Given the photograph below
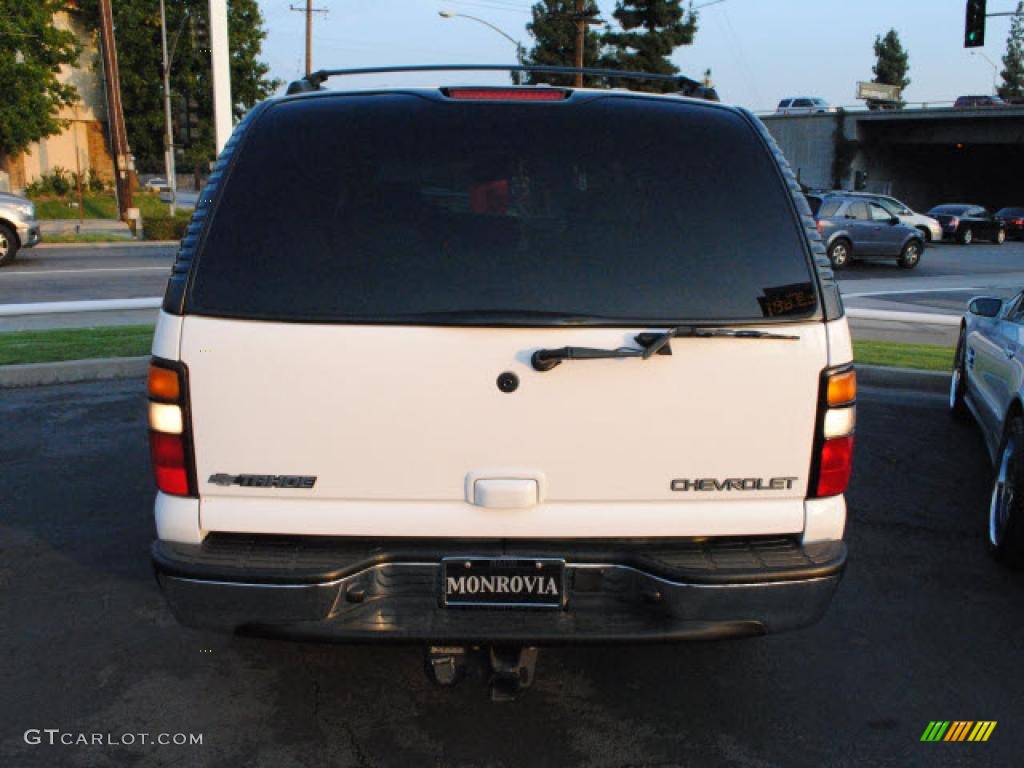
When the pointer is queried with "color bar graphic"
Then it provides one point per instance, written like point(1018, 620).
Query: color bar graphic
point(958, 730)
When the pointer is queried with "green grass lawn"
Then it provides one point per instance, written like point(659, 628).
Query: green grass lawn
point(87, 237)
point(99, 205)
point(928, 357)
point(74, 344)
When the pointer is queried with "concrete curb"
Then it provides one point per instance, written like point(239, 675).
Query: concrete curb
point(919, 318)
point(65, 307)
point(903, 378)
point(72, 371)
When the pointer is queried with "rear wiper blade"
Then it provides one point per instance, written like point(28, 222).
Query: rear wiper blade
point(650, 344)
point(654, 343)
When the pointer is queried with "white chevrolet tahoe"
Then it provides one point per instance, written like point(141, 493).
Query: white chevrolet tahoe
point(473, 366)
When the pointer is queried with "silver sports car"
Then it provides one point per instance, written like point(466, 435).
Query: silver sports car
point(988, 382)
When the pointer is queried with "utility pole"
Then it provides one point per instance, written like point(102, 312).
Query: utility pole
point(309, 10)
point(581, 32)
point(220, 57)
point(582, 18)
point(169, 168)
point(118, 136)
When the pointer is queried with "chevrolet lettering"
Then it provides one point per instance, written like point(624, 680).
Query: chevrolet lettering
point(735, 484)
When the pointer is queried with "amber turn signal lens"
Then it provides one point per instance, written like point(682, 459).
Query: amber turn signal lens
point(842, 388)
point(163, 384)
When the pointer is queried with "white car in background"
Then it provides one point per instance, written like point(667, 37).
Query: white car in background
point(988, 383)
point(804, 105)
point(926, 225)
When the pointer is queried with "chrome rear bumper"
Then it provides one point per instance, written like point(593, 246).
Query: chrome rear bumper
point(399, 600)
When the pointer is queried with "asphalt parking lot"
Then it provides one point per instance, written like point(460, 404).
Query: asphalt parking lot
point(924, 627)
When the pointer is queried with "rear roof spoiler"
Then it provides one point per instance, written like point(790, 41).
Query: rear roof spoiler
point(686, 86)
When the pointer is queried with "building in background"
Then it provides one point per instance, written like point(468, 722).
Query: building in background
point(87, 132)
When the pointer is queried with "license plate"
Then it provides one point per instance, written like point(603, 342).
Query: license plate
point(503, 581)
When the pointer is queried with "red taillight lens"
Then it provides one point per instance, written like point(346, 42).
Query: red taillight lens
point(169, 428)
point(508, 94)
point(821, 226)
point(169, 468)
point(1019, 222)
point(837, 419)
point(836, 464)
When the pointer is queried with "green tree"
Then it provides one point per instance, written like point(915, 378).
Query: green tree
point(1013, 61)
point(137, 25)
point(32, 51)
point(651, 31)
point(554, 28)
point(892, 62)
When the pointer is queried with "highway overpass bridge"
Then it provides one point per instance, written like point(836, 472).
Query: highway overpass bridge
point(922, 156)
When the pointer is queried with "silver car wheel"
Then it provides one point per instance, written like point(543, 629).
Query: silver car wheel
point(839, 255)
point(911, 254)
point(1001, 236)
point(968, 236)
point(1003, 493)
point(5, 245)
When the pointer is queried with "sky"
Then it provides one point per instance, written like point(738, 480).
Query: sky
point(759, 51)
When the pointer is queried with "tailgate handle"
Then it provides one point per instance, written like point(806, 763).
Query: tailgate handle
point(505, 492)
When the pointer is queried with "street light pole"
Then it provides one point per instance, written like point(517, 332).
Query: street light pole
point(220, 58)
point(516, 43)
point(169, 168)
point(995, 70)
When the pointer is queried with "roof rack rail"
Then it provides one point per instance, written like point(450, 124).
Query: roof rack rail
point(687, 86)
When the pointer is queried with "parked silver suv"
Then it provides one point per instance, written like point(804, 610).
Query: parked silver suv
point(18, 226)
point(858, 228)
point(928, 226)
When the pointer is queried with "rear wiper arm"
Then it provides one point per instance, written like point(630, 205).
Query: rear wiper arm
point(650, 344)
point(546, 359)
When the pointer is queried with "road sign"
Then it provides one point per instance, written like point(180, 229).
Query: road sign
point(878, 92)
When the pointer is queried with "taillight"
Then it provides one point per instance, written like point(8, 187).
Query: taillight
point(954, 222)
point(170, 439)
point(821, 226)
point(1019, 222)
point(836, 463)
point(837, 420)
point(508, 94)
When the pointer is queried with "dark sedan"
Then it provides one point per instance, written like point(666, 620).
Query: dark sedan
point(967, 223)
point(1013, 220)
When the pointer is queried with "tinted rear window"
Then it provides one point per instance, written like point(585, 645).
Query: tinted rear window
point(949, 210)
point(1010, 212)
point(404, 208)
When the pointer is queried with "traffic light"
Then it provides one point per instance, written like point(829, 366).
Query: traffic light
point(974, 27)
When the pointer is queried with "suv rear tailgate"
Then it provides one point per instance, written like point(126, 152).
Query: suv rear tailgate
point(397, 423)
